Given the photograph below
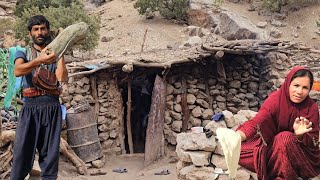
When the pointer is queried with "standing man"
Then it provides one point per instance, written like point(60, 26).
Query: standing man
point(39, 124)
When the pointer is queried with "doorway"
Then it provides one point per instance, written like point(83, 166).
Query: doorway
point(141, 93)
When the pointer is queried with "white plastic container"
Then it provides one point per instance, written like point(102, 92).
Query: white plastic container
point(198, 129)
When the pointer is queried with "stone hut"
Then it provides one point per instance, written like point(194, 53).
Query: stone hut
point(143, 100)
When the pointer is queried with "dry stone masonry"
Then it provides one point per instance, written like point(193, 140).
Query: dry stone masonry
point(241, 83)
point(109, 117)
point(200, 157)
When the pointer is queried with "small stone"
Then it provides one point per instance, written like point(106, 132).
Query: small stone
point(97, 163)
point(106, 39)
point(262, 24)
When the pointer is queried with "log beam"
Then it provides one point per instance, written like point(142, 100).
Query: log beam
point(66, 150)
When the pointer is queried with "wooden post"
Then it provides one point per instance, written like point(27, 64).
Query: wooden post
point(120, 112)
point(129, 132)
point(184, 105)
point(144, 39)
point(206, 72)
point(93, 83)
point(220, 67)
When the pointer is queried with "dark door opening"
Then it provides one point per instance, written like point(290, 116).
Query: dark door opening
point(141, 93)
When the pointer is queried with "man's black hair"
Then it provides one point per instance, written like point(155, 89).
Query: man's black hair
point(38, 20)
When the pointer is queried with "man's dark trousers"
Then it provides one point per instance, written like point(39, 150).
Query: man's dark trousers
point(39, 128)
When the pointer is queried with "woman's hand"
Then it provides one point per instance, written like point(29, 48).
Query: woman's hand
point(301, 125)
point(242, 135)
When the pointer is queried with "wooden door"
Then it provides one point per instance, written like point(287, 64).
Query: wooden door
point(154, 135)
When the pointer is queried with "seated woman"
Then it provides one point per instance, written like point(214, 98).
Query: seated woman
point(282, 140)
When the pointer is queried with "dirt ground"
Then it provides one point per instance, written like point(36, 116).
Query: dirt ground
point(134, 165)
point(126, 27)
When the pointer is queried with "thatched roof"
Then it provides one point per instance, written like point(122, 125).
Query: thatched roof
point(165, 58)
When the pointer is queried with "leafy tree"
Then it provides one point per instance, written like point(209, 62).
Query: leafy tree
point(60, 13)
point(169, 9)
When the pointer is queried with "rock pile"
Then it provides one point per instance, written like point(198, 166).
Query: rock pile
point(201, 157)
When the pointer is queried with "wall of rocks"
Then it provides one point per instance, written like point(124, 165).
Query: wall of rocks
point(236, 83)
point(110, 114)
point(200, 157)
point(107, 105)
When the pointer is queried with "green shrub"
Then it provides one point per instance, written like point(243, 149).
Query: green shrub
point(169, 9)
point(60, 17)
point(6, 24)
point(218, 3)
point(275, 5)
point(21, 5)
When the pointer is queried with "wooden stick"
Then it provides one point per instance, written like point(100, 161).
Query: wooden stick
point(129, 132)
point(4, 175)
point(220, 69)
point(7, 161)
point(144, 39)
point(93, 82)
point(121, 113)
point(6, 153)
point(6, 158)
point(206, 72)
point(89, 72)
point(66, 150)
point(184, 105)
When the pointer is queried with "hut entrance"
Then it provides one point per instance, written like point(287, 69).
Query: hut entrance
point(139, 101)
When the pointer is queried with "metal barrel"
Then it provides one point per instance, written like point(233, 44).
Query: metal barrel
point(82, 135)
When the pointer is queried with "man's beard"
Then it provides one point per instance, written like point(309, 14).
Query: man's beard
point(45, 40)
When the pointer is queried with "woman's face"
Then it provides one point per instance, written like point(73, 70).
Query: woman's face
point(299, 89)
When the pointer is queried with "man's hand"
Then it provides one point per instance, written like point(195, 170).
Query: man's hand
point(301, 125)
point(47, 57)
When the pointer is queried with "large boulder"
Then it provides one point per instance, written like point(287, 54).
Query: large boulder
point(233, 27)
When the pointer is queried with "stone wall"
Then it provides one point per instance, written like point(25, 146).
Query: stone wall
point(110, 114)
point(240, 83)
point(76, 91)
point(200, 157)
point(109, 104)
